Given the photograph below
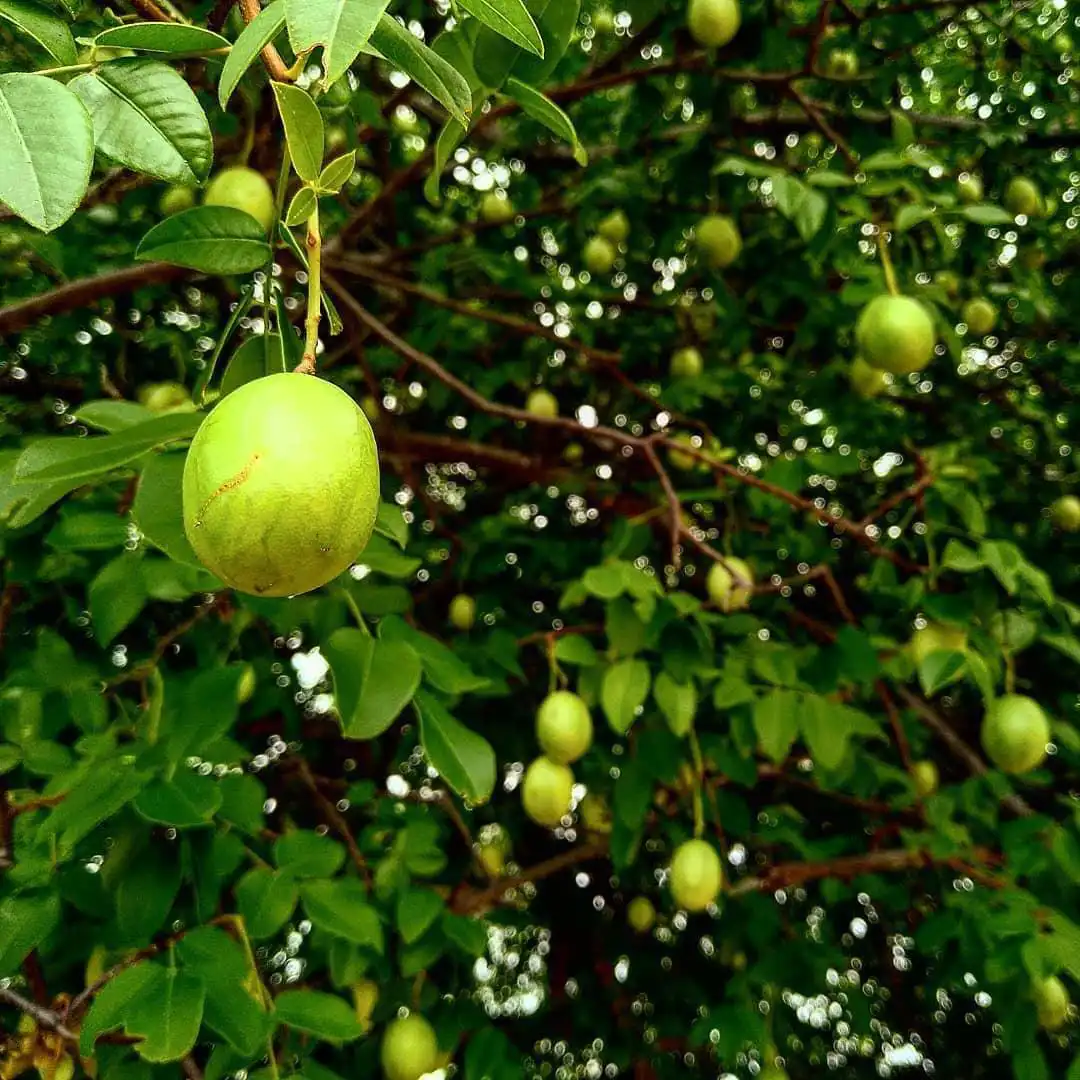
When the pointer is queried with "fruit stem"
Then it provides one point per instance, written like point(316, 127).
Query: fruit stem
point(699, 772)
point(311, 322)
point(268, 271)
point(886, 263)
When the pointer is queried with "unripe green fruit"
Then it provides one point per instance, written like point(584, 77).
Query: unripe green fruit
point(599, 255)
point(718, 240)
point(1022, 197)
point(336, 99)
point(337, 138)
point(245, 688)
point(492, 849)
point(165, 397)
point(865, 380)
point(409, 1048)
point(365, 995)
point(773, 1072)
point(948, 282)
point(281, 485)
point(243, 189)
point(615, 227)
point(546, 791)
point(842, 64)
point(723, 589)
point(595, 814)
point(696, 875)
point(682, 460)
point(462, 612)
point(1015, 732)
point(980, 316)
point(686, 363)
point(641, 915)
point(936, 637)
point(542, 403)
point(969, 188)
point(564, 728)
point(176, 198)
point(573, 453)
point(1062, 43)
point(603, 21)
point(895, 334)
point(924, 775)
point(713, 23)
point(404, 120)
point(1065, 513)
point(496, 209)
point(1051, 1003)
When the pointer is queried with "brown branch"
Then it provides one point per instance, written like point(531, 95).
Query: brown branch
point(335, 818)
point(46, 1018)
point(912, 491)
point(150, 10)
point(812, 110)
point(271, 58)
point(897, 723)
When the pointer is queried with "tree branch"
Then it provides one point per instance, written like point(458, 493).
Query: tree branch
point(271, 58)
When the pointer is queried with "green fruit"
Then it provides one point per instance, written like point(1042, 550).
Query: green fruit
point(546, 791)
point(1051, 1003)
point(409, 1048)
point(936, 637)
point(948, 282)
point(492, 849)
point(773, 1072)
point(641, 915)
point(245, 688)
point(365, 995)
point(337, 138)
point(895, 334)
point(724, 590)
point(404, 120)
point(496, 208)
point(696, 875)
point(685, 461)
point(1065, 513)
point(1015, 732)
point(573, 453)
point(243, 189)
point(336, 98)
point(165, 397)
point(176, 198)
point(595, 814)
point(924, 775)
point(370, 407)
point(599, 255)
point(865, 380)
point(1022, 197)
point(462, 612)
point(686, 363)
point(615, 227)
point(281, 485)
point(564, 728)
point(1062, 43)
point(713, 23)
point(603, 21)
point(980, 316)
point(842, 64)
point(542, 403)
point(718, 240)
point(969, 188)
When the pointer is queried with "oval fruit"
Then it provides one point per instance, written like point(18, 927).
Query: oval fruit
point(686, 363)
point(969, 188)
point(492, 849)
point(615, 227)
point(980, 316)
point(1065, 513)
point(1051, 1003)
point(546, 791)
point(641, 915)
point(564, 727)
point(696, 875)
point(724, 590)
point(713, 23)
point(243, 189)
point(895, 334)
point(542, 403)
point(176, 198)
point(164, 397)
point(936, 637)
point(717, 238)
point(595, 814)
point(867, 381)
point(599, 255)
point(409, 1048)
point(842, 64)
point(462, 612)
point(1015, 732)
point(496, 208)
point(924, 775)
point(245, 688)
point(281, 485)
point(1022, 197)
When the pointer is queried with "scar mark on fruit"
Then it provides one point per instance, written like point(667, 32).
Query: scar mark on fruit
point(229, 485)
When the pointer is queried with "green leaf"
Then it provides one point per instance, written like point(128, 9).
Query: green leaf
point(448, 140)
point(776, 721)
point(1003, 560)
point(373, 680)
point(48, 138)
point(510, 19)
point(623, 691)
point(25, 922)
point(246, 48)
point(391, 524)
point(800, 204)
point(305, 854)
point(341, 27)
point(986, 214)
point(48, 30)
point(115, 597)
point(496, 59)
point(490, 1055)
point(250, 361)
point(938, 669)
point(103, 791)
point(266, 899)
point(157, 509)
point(87, 530)
point(145, 896)
point(303, 126)
point(167, 1014)
point(465, 760)
point(112, 1003)
point(112, 416)
point(342, 908)
point(302, 205)
point(576, 649)
point(213, 239)
point(148, 119)
point(546, 112)
point(442, 667)
point(160, 37)
point(336, 173)
point(186, 801)
point(911, 215)
point(958, 556)
point(828, 726)
point(323, 1015)
point(677, 701)
point(213, 954)
point(417, 910)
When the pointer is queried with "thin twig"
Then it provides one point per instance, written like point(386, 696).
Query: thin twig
point(46, 1018)
point(335, 818)
point(276, 67)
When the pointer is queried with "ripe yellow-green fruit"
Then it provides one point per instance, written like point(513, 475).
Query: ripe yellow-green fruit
point(599, 255)
point(462, 612)
point(724, 590)
point(641, 915)
point(615, 227)
point(980, 316)
point(163, 397)
point(895, 334)
point(496, 208)
point(1015, 732)
point(176, 198)
point(683, 460)
point(718, 240)
point(492, 849)
point(243, 189)
point(842, 64)
point(281, 485)
point(686, 363)
point(1022, 197)
point(1051, 1003)
point(603, 21)
point(409, 1048)
point(595, 814)
point(867, 381)
point(713, 23)
point(936, 637)
point(924, 775)
point(564, 728)
point(365, 995)
point(546, 791)
point(1065, 513)
point(969, 188)
point(542, 403)
point(245, 688)
point(696, 875)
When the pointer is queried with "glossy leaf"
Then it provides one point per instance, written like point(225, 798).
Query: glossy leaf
point(464, 759)
point(166, 38)
point(323, 1015)
point(623, 692)
point(511, 19)
point(33, 21)
point(245, 50)
point(340, 27)
point(546, 112)
point(214, 239)
point(303, 129)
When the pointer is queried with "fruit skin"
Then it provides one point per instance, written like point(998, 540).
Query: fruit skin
point(599, 255)
point(1022, 197)
point(1014, 734)
point(713, 23)
point(564, 728)
point(1065, 513)
point(492, 849)
point(641, 915)
point(721, 585)
point(696, 875)
point(462, 612)
point(969, 188)
point(1051, 1003)
point(980, 316)
point(176, 198)
point(496, 209)
point(336, 98)
point(842, 64)
point(936, 637)
point(281, 485)
point(365, 994)
point(867, 381)
point(895, 334)
point(924, 775)
point(717, 238)
point(686, 363)
point(595, 814)
point(546, 791)
point(409, 1048)
point(615, 227)
point(542, 403)
point(243, 189)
